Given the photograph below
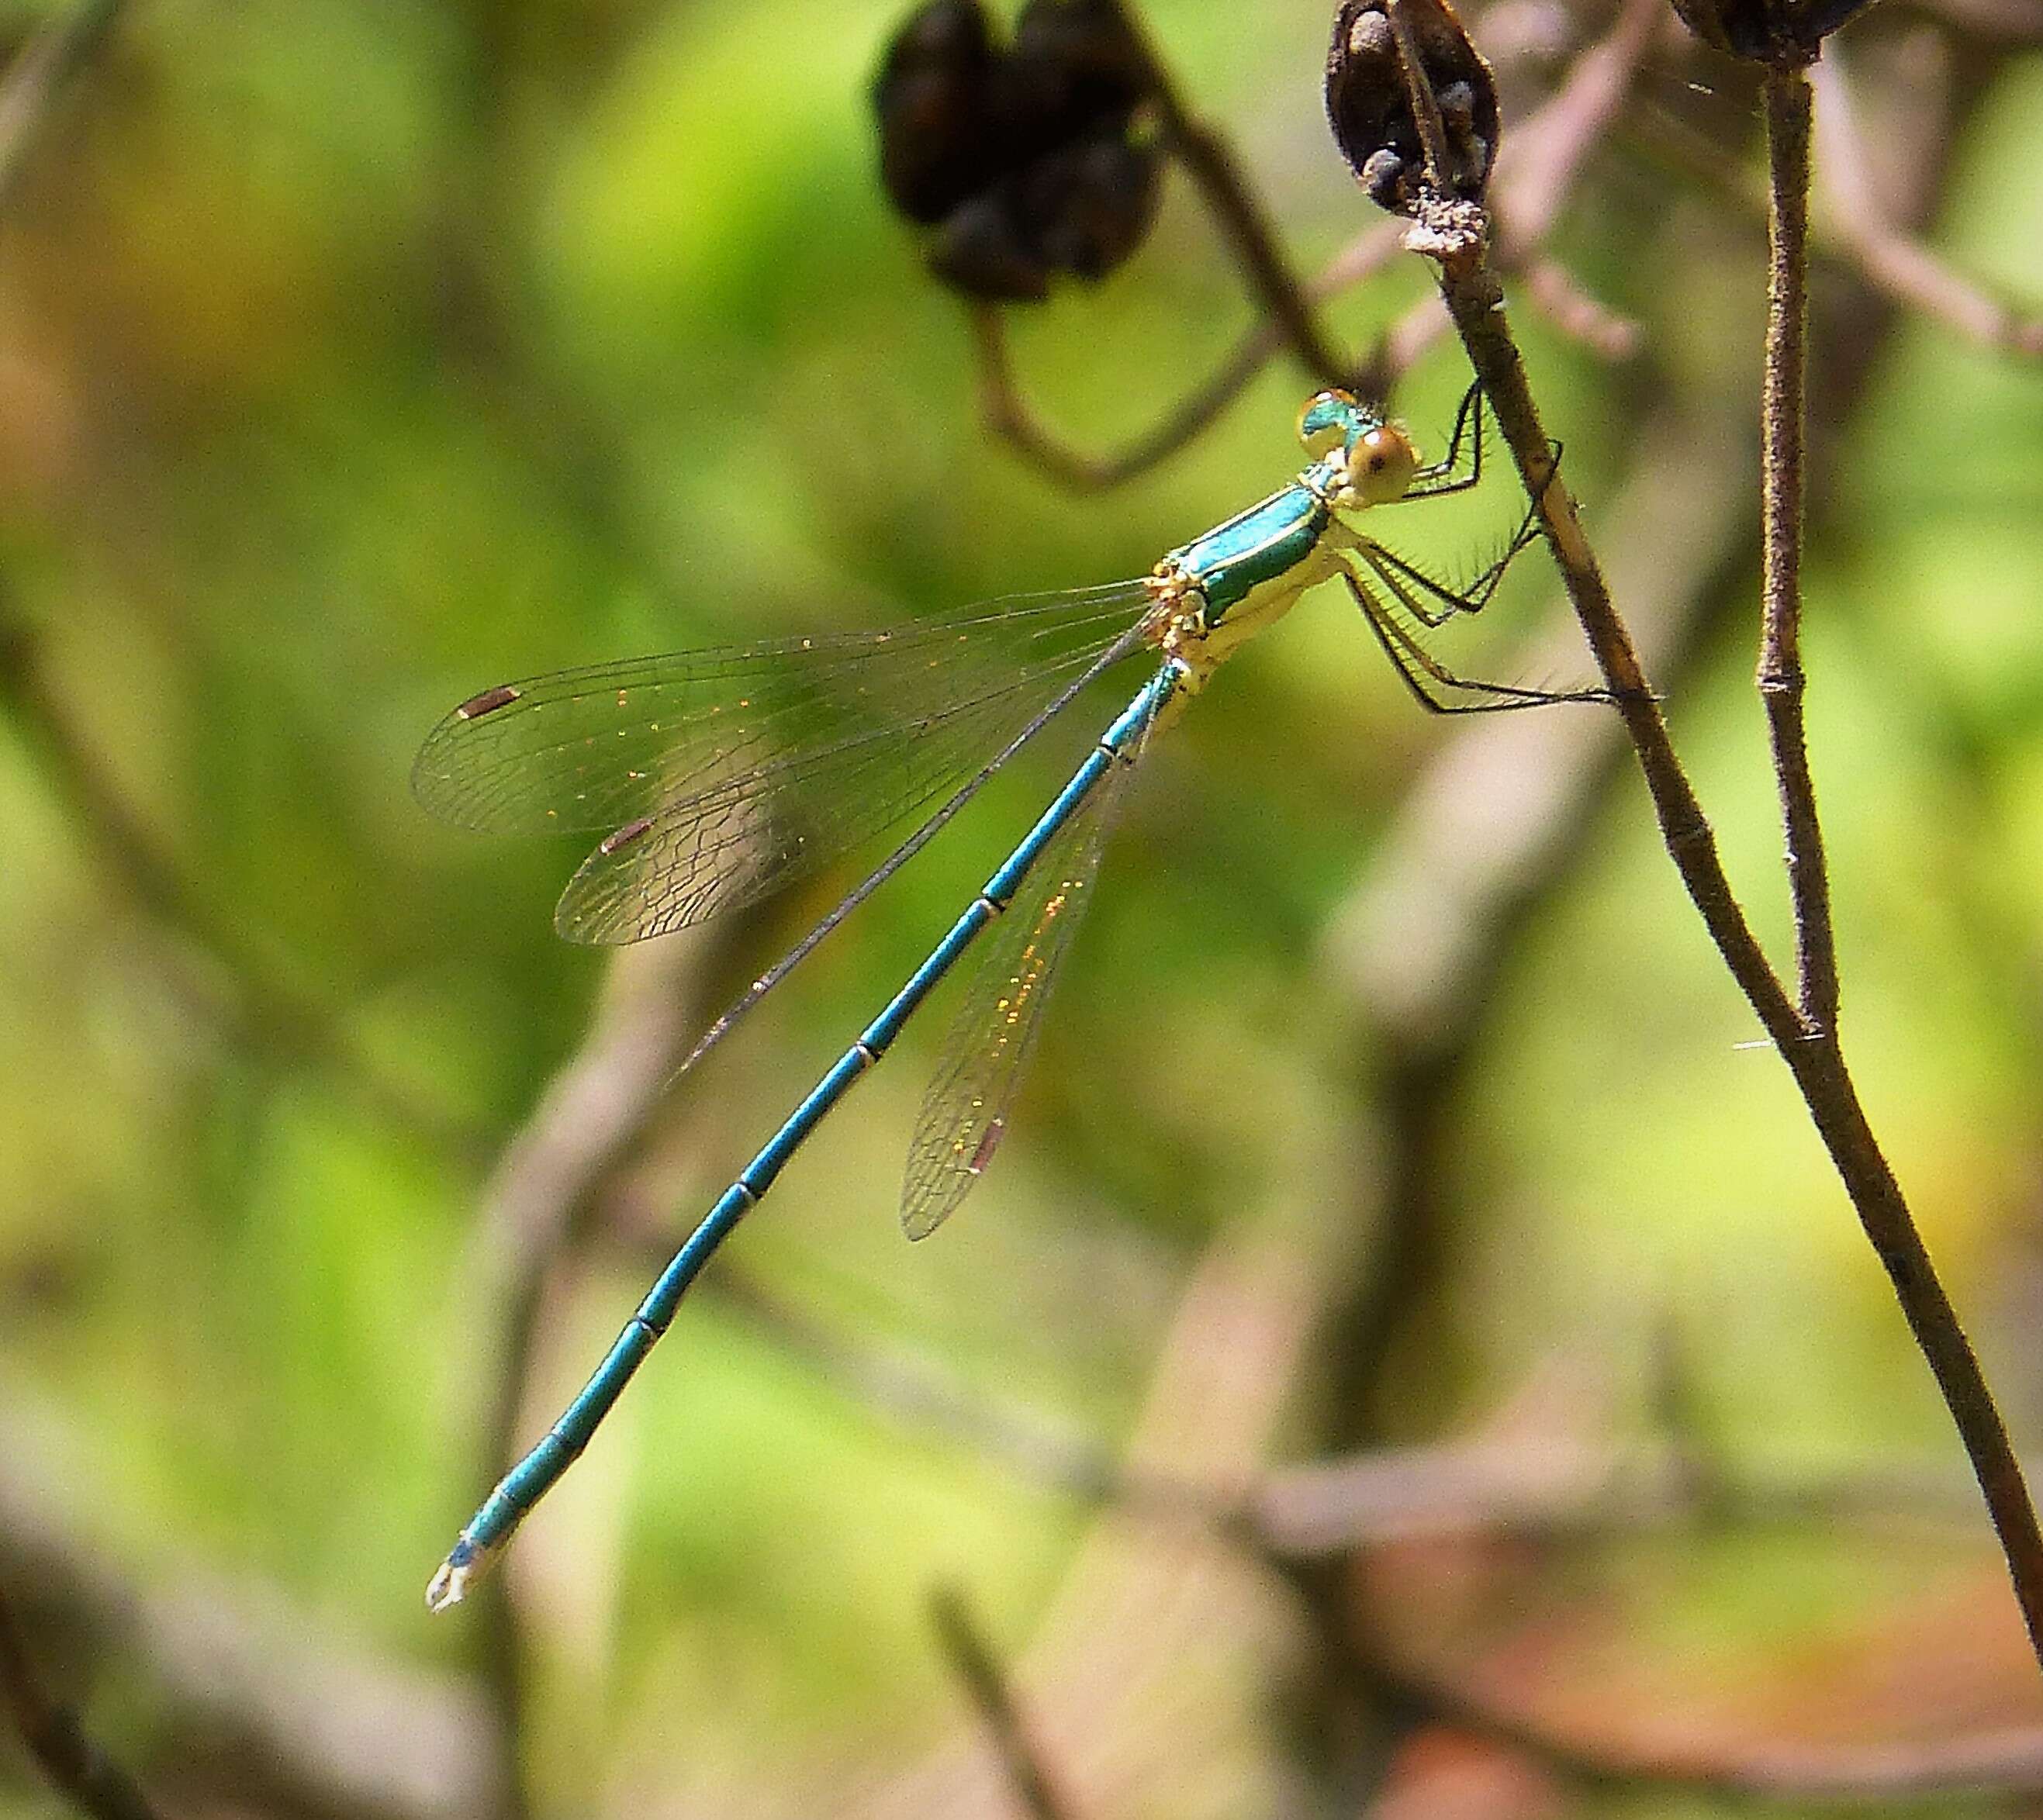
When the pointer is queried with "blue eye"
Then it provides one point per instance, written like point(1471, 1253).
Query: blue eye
point(1327, 422)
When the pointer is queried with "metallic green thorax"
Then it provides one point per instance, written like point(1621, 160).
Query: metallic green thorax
point(1274, 538)
point(1256, 546)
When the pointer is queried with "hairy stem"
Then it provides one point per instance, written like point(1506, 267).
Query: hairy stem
point(1782, 424)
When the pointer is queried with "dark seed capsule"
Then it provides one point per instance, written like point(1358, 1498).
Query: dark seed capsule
point(1088, 207)
point(1029, 160)
point(982, 250)
point(488, 701)
point(1766, 31)
point(1369, 104)
point(935, 98)
point(1082, 70)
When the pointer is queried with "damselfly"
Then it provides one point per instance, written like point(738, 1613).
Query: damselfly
point(716, 777)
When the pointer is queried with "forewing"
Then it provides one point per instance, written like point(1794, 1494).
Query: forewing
point(722, 775)
point(732, 842)
point(964, 1113)
point(595, 748)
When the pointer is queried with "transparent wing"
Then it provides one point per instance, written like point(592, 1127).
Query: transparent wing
point(964, 1113)
point(732, 843)
point(721, 774)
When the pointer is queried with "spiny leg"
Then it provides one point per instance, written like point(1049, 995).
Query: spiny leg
point(1441, 478)
point(1417, 667)
point(1477, 596)
point(1410, 582)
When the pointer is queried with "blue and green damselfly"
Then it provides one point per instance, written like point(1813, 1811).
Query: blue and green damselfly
point(719, 775)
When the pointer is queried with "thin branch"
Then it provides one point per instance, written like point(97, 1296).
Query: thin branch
point(1008, 416)
point(77, 1768)
point(1209, 163)
point(1896, 261)
point(1454, 235)
point(59, 49)
point(264, 1006)
point(537, 1209)
point(1782, 430)
point(985, 1682)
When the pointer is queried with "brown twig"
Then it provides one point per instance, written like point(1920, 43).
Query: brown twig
point(59, 48)
point(244, 988)
point(985, 1683)
point(1455, 235)
point(1782, 430)
point(1897, 262)
point(1008, 416)
point(77, 1768)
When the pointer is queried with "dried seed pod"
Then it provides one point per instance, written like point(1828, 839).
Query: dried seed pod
point(1089, 206)
point(1370, 107)
point(981, 249)
point(1767, 31)
point(1028, 159)
point(1088, 71)
point(939, 118)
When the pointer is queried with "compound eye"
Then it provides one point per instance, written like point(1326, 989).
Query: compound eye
point(1381, 465)
point(1324, 423)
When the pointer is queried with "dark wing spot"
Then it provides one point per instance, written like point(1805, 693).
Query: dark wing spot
point(623, 837)
point(488, 701)
point(988, 1144)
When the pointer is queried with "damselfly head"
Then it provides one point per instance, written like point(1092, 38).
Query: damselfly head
point(1380, 463)
point(1375, 460)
